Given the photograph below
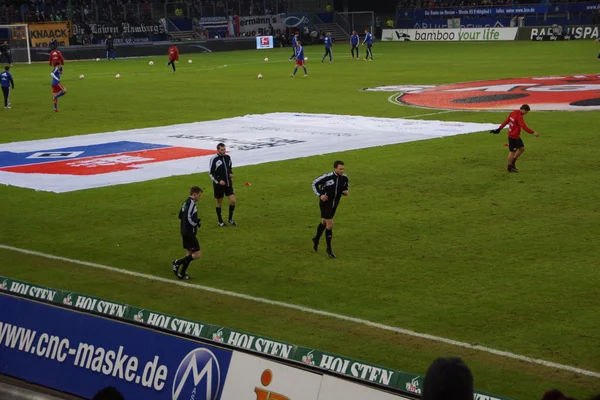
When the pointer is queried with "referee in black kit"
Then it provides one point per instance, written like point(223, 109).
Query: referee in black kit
point(330, 188)
point(221, 173)
point(188, 214)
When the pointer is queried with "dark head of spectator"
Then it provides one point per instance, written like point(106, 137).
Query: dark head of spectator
point(108, 393)
point(448, 379)
point(555, 394)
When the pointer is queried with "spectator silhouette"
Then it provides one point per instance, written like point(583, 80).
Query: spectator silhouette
point(448, 379)
point(108, 393)
point(555, 394)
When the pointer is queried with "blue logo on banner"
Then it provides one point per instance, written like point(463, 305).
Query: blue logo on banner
point(198, 376)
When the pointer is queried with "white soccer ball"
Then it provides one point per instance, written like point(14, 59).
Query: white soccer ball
point(260, 76)
point(190, 61)
point(266, 59)
point(151, 63)
point(117, 76)
point(305, 58)
point(97, 59)
point(81, 76)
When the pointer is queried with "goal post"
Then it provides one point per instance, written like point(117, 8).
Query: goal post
point(360, 20)
point(17, 36)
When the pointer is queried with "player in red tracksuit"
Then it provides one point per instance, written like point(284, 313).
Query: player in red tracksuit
point(516, 147)
point(56, 57)
point(173, 56)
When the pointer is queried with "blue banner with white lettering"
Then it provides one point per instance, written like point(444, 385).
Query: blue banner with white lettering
point(586, 7)
point(480, 12)
point(500, 11)
point(80, 354)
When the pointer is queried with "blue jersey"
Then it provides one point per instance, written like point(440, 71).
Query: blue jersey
point(368, 38)
point(294, 41)
point(6, 79)
point(328, 42)
point(354, 40)
point(300, 53)
point(56, 76)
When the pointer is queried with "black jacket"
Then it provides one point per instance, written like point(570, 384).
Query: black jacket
point(220, 168)
point(188, 214)
point(332, 185)
point(110, 44)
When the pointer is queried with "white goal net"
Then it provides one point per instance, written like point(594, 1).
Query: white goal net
point(15, 44)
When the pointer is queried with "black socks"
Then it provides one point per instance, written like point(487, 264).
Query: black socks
point(328, 236)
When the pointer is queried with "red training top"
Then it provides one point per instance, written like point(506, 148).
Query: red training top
point(173, 53)
point(56, 56)
point(515, 123)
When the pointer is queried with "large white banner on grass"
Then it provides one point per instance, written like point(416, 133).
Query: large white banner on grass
point(112, 158)
point(450, 35)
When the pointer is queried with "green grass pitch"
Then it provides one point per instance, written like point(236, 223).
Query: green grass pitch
point(435, 236)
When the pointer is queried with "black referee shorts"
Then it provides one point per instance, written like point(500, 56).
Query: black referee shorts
point(515, 144)
point(327, 211)
point(190, 243)
point(220, 191)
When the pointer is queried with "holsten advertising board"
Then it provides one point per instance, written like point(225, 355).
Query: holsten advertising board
point(450, 35)
point(79, 353)
point(250, 376)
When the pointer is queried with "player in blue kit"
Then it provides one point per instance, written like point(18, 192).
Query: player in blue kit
point(299, 60)
point(354, 39)
point(294, 45)
point(7, 82)
point(58, 90)
point(328, 47)
point(369, 41)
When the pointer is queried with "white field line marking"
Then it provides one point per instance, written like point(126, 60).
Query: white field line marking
point(426, 115)
point(407, 332)
point(138, 73)
point(392, 99)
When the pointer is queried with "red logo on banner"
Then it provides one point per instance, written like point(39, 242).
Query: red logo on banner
point(566, 93)
point(263, 394)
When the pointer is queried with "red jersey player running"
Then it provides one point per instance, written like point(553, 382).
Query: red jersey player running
point(56, 57)
point(516, 147)
point(173, 56)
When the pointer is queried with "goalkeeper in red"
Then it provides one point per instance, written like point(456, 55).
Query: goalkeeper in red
point(516, 147)
point(173, 56)
point(56, 57)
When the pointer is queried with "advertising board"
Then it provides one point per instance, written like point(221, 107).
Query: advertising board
point(80, 353)
point(450, 35)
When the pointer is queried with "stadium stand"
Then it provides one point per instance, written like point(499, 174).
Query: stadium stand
point(102, 11)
